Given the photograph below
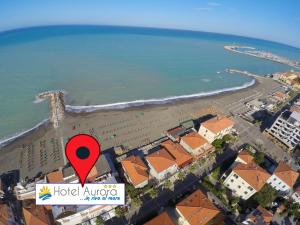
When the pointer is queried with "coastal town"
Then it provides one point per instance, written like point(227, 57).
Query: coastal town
point(225, 159)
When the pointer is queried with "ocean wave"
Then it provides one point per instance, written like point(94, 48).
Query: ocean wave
point(158, 101)
point(6, 140)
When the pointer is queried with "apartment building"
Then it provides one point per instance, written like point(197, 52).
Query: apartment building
point(245, 180)
point(197, 209)
point(215, 128)
point(286, 128)
point(136, 171)
point(196, 145)
point(162, 164)
point(283, 178)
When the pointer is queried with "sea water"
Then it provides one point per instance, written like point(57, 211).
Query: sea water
point(101, 65)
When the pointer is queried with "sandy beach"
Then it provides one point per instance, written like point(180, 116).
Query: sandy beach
point(43, 149)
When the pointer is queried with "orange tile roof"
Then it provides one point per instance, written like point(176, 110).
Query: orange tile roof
point(260, 215)
point(253, 174)
point(161, 160)
point(36, 215)
point(161, 219)
point(4, 214)
point(197, 209)
point(279, 94)
point(135, 169)
point(245, 156)
point(286, 174)
point(55, 177)
point(218, 123)
point(92, 174)
point(194, 140)
point(178, 152)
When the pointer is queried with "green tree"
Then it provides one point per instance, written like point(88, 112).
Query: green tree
point(201, 162)
point(99, 220)
point(216, 173)
point(192, 168)
point(132, 191)
point(153, 193)
point(259, 157)
point(265, 196)
point(227, 138)
point(167, 184)
point(120, 211)
point(218, 143)
point(137, 202)
point(181, 175)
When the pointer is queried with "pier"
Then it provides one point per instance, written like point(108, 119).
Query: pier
point(57, 106)
point(246, 50)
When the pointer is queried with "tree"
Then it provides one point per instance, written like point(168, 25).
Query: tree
point(153, 193)
point(181, 175)
point(120, 211)
point(192, 168)
point(259, 157)
point(227, 138)
point(99, 220)
point(218, 143)
point(132, 191)
point(137, 202)
point(266, 196)
point(201, 162)
point(167, 184)
point(216, 173)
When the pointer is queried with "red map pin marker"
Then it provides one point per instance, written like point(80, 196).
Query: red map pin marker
point(82, 151)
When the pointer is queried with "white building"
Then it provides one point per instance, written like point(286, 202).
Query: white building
point(215, 128)
point(161, 164)
point(283, 178)
point(286, 128)
point(196, 144)
point(296, 195)
point(245, 180)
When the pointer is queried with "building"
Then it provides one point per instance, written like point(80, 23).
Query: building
point(6, 215)
point(36, 214)
point(181, 157)
point(196, 145)
point(197, 209)
point(245, 180)
point(136, 171)
point(77, 214)
point(296, 195)
point(162, 164)
point(161, 219)
point(175, 133)
point(55, 177)
point(290, 77)
point(103, 169)
point(215, 128)
point(244, 157)
point(283, 178)
point(259, 216)
point(286, 128)
point(280, 96)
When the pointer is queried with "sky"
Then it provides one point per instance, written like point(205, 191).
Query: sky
point(276, 20)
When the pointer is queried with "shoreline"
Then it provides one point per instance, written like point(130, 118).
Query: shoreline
point(125, 106)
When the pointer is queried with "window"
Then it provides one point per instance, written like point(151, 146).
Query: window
point(245, 192)
point(231, 180)
point(250, 188)
point(283, 186)
point(236, 176)
point(239, 186)
point(274, 178)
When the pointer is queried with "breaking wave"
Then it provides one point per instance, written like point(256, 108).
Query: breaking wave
point(154, 101)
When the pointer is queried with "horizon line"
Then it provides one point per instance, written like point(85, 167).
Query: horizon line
point(148, 27)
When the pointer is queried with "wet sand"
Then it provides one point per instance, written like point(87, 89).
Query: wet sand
point(43, 149)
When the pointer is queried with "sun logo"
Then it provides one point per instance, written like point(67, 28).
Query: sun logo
point(45, 193)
